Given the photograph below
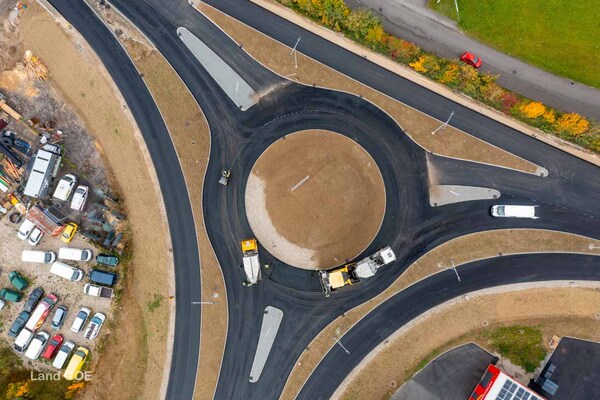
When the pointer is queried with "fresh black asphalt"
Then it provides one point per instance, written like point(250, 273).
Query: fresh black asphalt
point(410, 226)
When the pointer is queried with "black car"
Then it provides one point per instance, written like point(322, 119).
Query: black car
point(33, 299)
point(19, 323)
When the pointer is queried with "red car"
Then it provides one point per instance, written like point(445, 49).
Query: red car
point(471, 59)
point(52, 347)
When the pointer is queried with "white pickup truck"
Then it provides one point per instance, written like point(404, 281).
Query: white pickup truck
point(97, 291)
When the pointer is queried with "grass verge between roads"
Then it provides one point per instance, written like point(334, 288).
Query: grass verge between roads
point(561, 311)
point(521, 344)
point(558, 36)
point(451, 142)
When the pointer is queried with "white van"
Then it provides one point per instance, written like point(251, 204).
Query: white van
point(25, 229)
point(36, 256)
point(23, 340)
point(506, 211)
point(37, 345)
point(69, 253)
point(61, 357)
point(66, 271)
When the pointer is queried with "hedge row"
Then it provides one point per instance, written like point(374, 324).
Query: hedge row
point(365, 28)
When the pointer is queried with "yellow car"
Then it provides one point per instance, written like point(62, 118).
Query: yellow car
point(75, 364)
point(69, 232)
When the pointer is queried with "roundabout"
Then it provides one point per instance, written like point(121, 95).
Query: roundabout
point(315, 199)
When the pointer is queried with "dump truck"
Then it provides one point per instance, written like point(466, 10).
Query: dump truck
point(250, 261)
point(353, 273)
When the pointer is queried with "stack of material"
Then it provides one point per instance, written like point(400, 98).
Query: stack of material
point(36, 69)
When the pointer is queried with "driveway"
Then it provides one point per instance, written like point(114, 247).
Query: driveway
point(413, 21)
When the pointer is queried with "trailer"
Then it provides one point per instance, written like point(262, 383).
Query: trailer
point(97, 291)
point(353, 273)
point(250, 261)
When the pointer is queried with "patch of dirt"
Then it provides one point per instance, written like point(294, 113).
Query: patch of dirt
point(80, 79)
point(323, 199)
point(555, 311)
point(449, 142)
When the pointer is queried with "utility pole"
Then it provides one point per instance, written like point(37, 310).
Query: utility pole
point(293, 52)
point(444, 125)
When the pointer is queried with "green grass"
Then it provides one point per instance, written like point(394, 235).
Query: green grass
point(522, 345)
point(155, 303)
point(559, 36)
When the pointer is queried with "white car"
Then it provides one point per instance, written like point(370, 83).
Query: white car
point(37, 345)
point(63, 354)
point(79, 198)
point(91, 332)
point(80, 319)
point(35, 236)
point(65, 187)
point(25, 229)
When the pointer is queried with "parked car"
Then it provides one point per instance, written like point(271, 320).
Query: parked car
point(79, 198)
point(41, 312)
point(506, 211)
point(69, 232)
point(97, 291)
point(10, 295)
point(66, 271)
point(225, 174)
point(70, 253)
point(63, 354)
point(91, 332)
point(19, 323)
point(36, 256)
point(65, 187)
point(33, 299)
point(2, 304)
point(35, 236)
point(59, 317)
point(52, 347)
point(25, 229)
point(76, 363)
point(36, 346)
point(22, 340)
point(80, 319)
point(471, 59)
point(17, 280)
point(106, 259)
point(103, 277)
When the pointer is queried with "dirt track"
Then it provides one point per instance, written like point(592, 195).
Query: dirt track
point(315, 199)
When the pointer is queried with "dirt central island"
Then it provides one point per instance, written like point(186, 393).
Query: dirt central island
point(315, 199)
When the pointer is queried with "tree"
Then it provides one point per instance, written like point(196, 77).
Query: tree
point(360, 21)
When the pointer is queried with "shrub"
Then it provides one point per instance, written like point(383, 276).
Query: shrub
point(532, 109)
point(549, 116)
point(492, 92)
point(572, 123)
point(450, 74)
point(359, 22)
point(401, 50)
point(508, 100)
point(424, 63)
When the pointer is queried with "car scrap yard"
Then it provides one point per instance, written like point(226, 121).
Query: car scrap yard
point(271, 199)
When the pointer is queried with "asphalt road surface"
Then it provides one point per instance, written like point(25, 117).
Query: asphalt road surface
point(413, 21)
point(410, 226)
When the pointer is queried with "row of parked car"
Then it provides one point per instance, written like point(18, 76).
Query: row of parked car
point(30, 320)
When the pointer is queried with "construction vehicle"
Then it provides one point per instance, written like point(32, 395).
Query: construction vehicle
point(353, 273)
point(250, 261)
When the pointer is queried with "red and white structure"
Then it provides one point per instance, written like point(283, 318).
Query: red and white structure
point(496, 385)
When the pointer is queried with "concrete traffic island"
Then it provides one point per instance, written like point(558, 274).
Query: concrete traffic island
point(268, 332)
point(440, 195)
point(315, 199)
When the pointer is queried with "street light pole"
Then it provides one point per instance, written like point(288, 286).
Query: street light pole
point(454, 268)
point(444, 125)
point(340, 343)
point(293, 52)
point(592, 247)
point(203, 302)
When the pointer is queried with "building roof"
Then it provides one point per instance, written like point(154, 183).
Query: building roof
point(451, 376)
point(572, 373)
point(496, 385)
